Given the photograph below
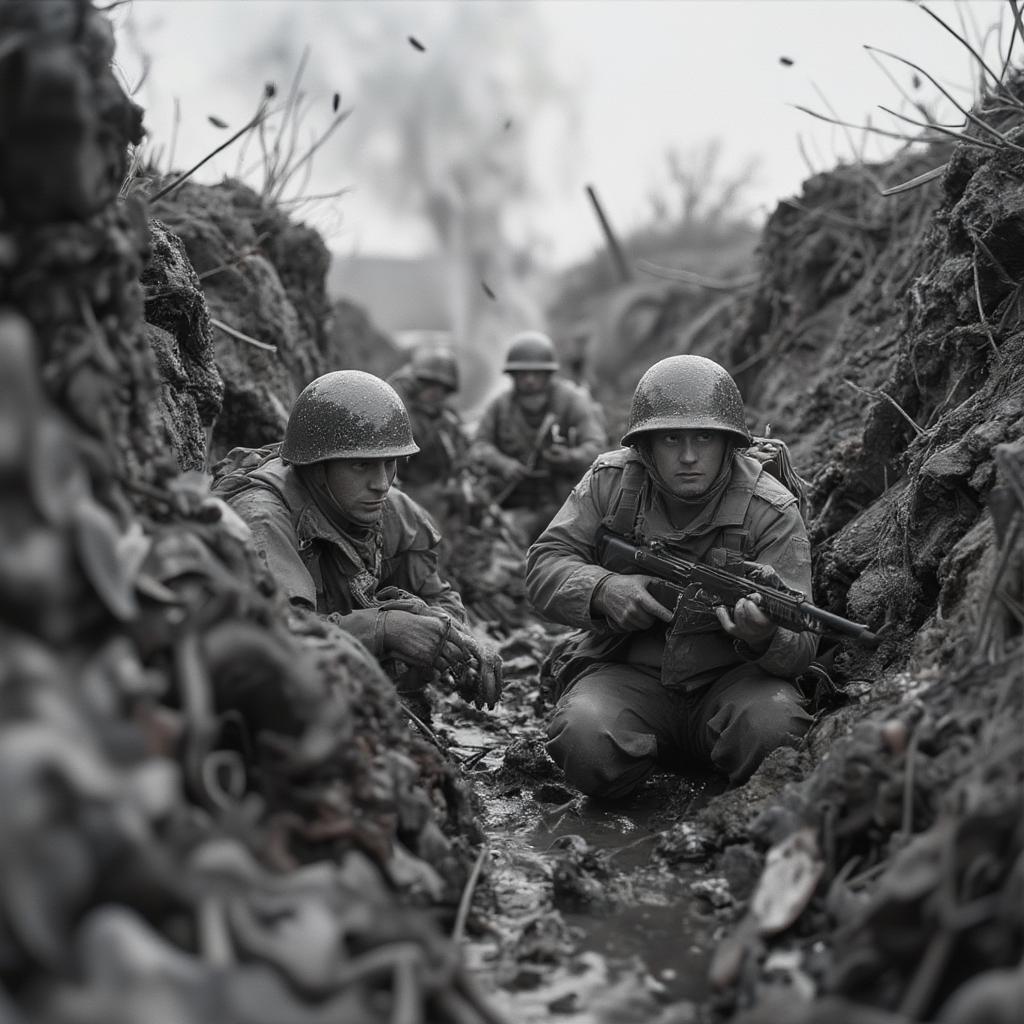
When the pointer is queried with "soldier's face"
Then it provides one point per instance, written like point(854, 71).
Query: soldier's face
point(359, 487)
point(432, 394)
point(530, 382)
point(688, 461)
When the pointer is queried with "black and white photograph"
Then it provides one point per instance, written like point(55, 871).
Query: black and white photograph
point(512, 511)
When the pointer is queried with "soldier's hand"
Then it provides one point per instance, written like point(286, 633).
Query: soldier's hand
point(478, 678)
point(423, 640)
point(627, 604)
point(748, 623)
point(559, 456)
point(512, 469)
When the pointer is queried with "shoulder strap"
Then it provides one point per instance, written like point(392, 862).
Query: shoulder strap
point(622, 515)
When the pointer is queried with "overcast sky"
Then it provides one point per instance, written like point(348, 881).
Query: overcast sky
point(640, 77)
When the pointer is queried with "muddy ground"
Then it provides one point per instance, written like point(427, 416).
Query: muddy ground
point(215, 809)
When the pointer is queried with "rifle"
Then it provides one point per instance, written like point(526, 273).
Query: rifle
point(539, 442)
point(785, 607)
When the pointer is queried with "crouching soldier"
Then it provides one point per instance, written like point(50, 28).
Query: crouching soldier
point(643, 685)
point(338, 539)
point(427, 384)
point(537, 437)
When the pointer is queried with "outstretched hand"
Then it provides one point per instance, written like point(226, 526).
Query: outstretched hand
point(627, 604)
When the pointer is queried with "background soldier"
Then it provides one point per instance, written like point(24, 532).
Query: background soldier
point(539, 436)
point(426, 384)
point(642, 685)
point(339, 539)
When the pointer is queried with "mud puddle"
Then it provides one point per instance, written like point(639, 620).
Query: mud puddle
point(578, 913)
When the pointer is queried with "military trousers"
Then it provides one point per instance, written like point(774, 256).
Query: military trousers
point(617, 723)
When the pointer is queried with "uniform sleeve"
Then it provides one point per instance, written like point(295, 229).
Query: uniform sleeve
point(780, 540)
point(587, 422)
point(561, 566)
point(413, 563)
point(484, 448)
point(275, 540)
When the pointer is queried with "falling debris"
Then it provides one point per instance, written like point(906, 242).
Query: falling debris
point(488, 291)
point(416, 44)
point(786, 62)
point(216, 121)
point(335, 101)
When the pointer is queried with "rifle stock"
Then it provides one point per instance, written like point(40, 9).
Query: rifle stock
point(786, 608)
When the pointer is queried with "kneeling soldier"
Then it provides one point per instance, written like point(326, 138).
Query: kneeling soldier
point(338, 539)
point(642, 685)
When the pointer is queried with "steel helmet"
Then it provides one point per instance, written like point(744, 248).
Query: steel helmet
point(437, 365)
point(347, 414)
point(531, 350)
point(686, 393)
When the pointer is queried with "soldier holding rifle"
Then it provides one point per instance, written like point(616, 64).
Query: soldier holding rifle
point(539, 436)
point(644, 683)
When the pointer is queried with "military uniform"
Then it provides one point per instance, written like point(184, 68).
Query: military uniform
point(507, 430)
point(340, 571)
point(427, 475)
point(630, 701)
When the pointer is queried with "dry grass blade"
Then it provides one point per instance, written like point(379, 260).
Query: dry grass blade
point(257, 120)
point(892, 401)
point(860, 127)
point(242, 337)
point(305, 159)
point(459, 928)
point(1015, 27)
point(959, 136)
point(921, 179)
point(973, 118)
point(688, 277)
point(1000, 85)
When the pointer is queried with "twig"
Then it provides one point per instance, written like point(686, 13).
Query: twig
point(428, 732)
point(459, 928)
point(242, 337)
point(888, 398)
point(257, 120)
point(981, 308)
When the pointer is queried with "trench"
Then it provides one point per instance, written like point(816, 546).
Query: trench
point(576, 908)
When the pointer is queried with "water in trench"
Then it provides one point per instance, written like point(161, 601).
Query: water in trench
point(585, 938)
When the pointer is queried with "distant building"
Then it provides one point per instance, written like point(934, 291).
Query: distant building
point(404, 297)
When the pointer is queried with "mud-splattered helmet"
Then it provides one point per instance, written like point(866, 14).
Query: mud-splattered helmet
point(531, 350)
point(437, 366)
point(347, 414)
point(686, 393)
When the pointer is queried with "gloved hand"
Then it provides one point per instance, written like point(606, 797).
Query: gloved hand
point(424, 640)
point(627, 604)
point(479, 677)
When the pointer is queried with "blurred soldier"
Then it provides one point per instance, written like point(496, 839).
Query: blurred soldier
point(539, 436)
point(642, 684)
point(338, 539)
point(426, 384)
